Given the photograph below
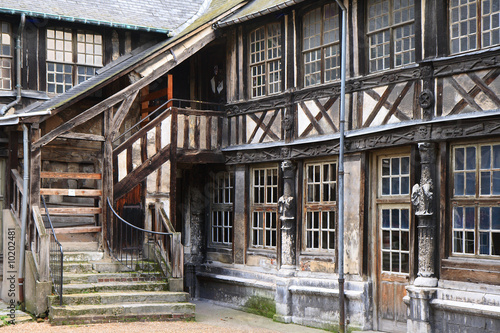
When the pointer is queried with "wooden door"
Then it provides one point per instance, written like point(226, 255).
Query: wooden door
point(393, 239)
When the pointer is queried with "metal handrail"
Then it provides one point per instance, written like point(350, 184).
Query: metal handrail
point(158, 110)
point(55, 266)
point(128, 249)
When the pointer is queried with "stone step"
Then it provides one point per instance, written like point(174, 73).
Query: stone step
point(80, 246)
point(86, 314)
point(79, 288)
point(83, 256)
point(77, 267)
point(89, 277)
point(120, 297)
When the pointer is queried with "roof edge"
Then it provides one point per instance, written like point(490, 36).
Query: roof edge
point(260, 13)
point(85, 21)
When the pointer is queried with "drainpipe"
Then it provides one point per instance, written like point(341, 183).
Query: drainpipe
point(343, 48)
point(18, 67)
point(24, 211)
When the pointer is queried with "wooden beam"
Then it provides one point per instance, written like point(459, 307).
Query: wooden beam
point(73, 211)
point(82, 136)
point(138, 174)
point(70, 192)
point(200, 157)
point(120, 115)
point(70, 175)
point(154, 95)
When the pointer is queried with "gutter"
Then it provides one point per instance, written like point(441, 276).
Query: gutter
point(260, 13)
point(31, 13)
point(18, 67)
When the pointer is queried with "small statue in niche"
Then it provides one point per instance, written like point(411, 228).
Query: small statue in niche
point(421, 198)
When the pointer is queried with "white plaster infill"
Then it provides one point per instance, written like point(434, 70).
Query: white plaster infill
point(466, 308)
point(327, 292)
point(238, 281)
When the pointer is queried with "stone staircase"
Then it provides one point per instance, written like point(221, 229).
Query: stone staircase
point(98, 289)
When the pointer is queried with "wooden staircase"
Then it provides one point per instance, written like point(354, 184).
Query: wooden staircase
point(98, 290)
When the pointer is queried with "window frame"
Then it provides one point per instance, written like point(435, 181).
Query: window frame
point(266, 61)
point(321, 207)
point(391, 28)
point(478, 33)
point(394, 201)
point(478, 201)
point(8, 59)
point(321, 47)
point(222, 208)
point(71, 63)
point(264, 208)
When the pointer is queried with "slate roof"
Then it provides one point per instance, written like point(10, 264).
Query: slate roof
point(151, 15)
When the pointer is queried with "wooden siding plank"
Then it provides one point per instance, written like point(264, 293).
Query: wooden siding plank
point(73, 211)
point(70, 175)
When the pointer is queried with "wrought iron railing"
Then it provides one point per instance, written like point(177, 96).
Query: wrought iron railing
point(56, 256)
point(136, 248)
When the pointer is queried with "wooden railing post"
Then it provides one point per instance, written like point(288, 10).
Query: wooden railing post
point(173, 167)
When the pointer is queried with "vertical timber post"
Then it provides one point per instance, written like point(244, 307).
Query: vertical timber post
point(173, 169)
point(107, 181)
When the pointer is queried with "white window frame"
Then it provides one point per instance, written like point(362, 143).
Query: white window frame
point(391, 34)
point(320, 206)
point(222, 209)
point(6, 56)
point(264, 207)
point(265, 60)
point(73, 56)
point(474, 207)
point(473, 25)
point(321, 60)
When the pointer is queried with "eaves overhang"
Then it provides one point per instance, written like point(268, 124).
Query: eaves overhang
point(259, 12)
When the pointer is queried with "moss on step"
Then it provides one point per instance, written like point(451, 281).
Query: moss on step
point(261, 306)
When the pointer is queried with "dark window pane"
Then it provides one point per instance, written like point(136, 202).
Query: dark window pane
point(485, 183)
point(496, 156)
point(495, 218)
point(385, 167)
point(496, 182)
point(470, 186)
point(484, 218)
point(484, 243)
point(469, 242)
point(405, 185)
point(405, 241)
point(395, 261)
point(458, 217)
point(395, 218)
point(459, 184)
point(471, 158)
point(386, 187)
point(470, 217)
point(395, 185)
point(405, 165)
point(386, 262)
point(405, 263)
point(485, 157)
point(405, 221)
point(395, 166)
point(386, 218)
point(459, 159)
point(395, 240)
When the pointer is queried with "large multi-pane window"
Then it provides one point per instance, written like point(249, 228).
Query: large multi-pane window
point(321, 45)
point(222, 208)
point(476, 193)
point(391, 33)
point(320, 205)
point(264, 207)
point(72, 57)
point(5, 56)
point(394, 213)
point(265, 60)
point(474, 24)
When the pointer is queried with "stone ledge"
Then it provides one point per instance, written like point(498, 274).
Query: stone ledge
point(467, 308)
point(77, 320)
point(350, 294)
point(237, 280)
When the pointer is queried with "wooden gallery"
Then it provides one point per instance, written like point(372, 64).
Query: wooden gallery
point(336, 161)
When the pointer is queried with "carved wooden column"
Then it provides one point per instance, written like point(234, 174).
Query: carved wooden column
point(287, 215)
point(424, 289)
point(422, 198)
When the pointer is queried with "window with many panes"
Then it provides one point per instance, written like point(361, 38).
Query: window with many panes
point(222, 208)
point(72, 57)
point(474, 24)
point(265, 60)
point(321, 45)
point(394, 213)
point(5, 56)
point(476, 193)
point(320, 205)
point(264, 207)
point(391, 33)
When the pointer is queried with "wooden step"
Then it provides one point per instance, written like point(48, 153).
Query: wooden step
point(71, 192)
point(70, 175)
point(72, 210)
point(75, 230)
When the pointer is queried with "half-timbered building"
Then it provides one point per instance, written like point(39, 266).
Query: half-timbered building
point(228, 135)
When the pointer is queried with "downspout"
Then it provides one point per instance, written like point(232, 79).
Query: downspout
point(343, 47)
point(24, 211)
point(18, 67)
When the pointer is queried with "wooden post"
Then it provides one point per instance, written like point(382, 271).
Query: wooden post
point(173, 168)
point(12, 163)
point(35, 167)
point(107, 179)
point(170, 88)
